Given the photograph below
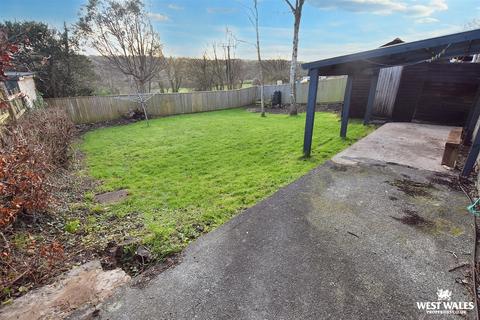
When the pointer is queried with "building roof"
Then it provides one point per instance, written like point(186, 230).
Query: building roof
point(458, 44)
point(16, 75)
point(394, 41)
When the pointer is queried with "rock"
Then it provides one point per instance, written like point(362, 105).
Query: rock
point(111, 197)
point(83, 287)
point(143, 254)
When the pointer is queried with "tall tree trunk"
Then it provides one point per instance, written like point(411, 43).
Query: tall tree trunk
point(141, 84)
point(262, 99)
point(293, 68)
point(297, 13)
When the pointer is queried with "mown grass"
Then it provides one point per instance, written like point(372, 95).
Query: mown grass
point(190, 173)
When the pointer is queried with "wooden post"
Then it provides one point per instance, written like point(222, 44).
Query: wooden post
point(371, 98)
point(472, 117)
point(346, 107)
point(5, 102)
point(310, 118)
point(472, 155)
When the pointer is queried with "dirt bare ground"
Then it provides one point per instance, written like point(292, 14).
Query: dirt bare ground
point(36, 249)
point(325, 107)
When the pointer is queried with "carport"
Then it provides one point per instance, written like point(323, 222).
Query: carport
point(369, 63)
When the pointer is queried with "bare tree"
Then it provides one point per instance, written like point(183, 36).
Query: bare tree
point(237, 70)
point(276, 69)
point(229, 52)
point(121, 31)
point(253, 17)
point(297, 14)
point(472, 24)
point(218, 70)
point(200, 73)
point(175, 69)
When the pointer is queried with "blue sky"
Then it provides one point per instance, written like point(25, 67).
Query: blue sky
point(329, 27)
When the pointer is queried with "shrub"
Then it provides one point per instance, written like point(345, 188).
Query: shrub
point(32, 149)
point(51, 130)
point(22, 182)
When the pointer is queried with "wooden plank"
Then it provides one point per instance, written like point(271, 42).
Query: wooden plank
point(371, 98)
point(409, 91)
point(387, 89)
point(4, 117)
point(452, 146)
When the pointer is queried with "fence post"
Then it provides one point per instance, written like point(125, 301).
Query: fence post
point(346, 107)
point(310, 118)
point(473, 117)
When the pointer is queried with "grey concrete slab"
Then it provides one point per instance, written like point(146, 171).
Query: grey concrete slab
point(416, 145)
point(342, 242)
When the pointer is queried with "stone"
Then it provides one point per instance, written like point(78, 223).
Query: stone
point(111, 197)
point(83, 287)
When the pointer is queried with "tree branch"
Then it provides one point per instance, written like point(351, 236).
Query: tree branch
point(291, 6)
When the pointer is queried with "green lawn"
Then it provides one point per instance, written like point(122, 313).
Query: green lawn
point(187, 174)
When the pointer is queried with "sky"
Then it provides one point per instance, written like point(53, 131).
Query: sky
point(329, 27)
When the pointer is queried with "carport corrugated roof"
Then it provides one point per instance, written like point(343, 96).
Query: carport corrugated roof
point(370, 62)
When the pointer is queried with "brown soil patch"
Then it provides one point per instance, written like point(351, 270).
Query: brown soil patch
point(325, 107)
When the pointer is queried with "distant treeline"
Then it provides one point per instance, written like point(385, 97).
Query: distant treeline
point(62, 70)
point(193, 74)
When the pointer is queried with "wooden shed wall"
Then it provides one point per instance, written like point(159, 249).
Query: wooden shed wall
point(360, 89)
point(386, 91)
point(441, 93)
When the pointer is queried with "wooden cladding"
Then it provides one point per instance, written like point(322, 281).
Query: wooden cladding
point(439, 93)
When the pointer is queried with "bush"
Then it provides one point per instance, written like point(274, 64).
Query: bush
point(51, 130)
point(22, 183)
point(33, 148)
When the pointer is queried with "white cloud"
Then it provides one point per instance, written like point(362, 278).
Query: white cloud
point(425, 10)
point(426, 20)
point(384, 7)
point(174, 6)
point(158, 17)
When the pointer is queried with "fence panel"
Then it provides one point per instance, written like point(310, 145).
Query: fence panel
point(103, 108)
point(330, 90)
point(14, 108)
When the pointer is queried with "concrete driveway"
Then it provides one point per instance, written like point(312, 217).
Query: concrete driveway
point(363, 241)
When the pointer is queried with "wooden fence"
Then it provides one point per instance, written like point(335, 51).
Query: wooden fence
point(13, 107)
point(103, 108)
point(330, 90)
